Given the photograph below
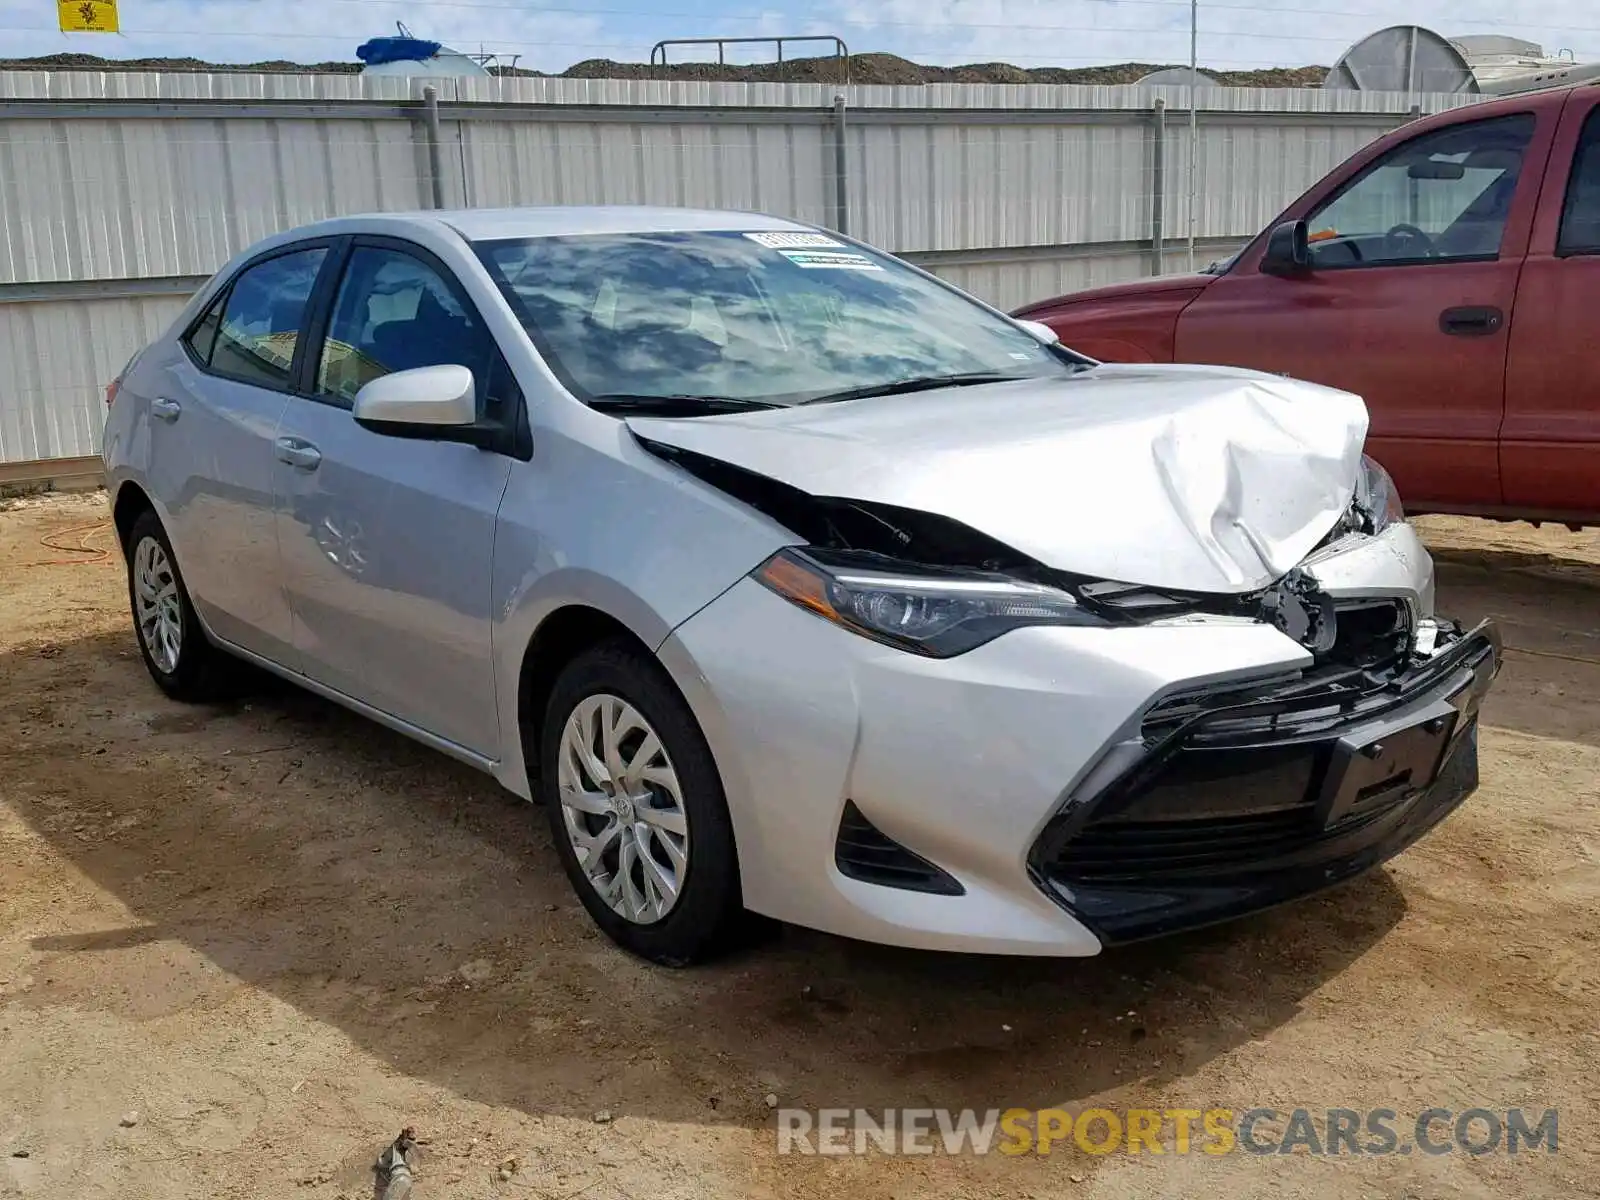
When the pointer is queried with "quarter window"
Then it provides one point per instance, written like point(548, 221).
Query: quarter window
point(1445, 195)
point(262, 317)
point(394, 312)
point(203, 336)
point(1580, 218)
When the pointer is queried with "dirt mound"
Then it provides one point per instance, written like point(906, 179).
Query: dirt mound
point(93, 62)
point(862, 68)
point(892, 69)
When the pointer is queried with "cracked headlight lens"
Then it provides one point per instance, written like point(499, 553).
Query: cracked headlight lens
point(1377, 495)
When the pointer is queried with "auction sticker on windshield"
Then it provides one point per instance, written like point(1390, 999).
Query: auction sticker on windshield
point(826, 260)
point(795, 241)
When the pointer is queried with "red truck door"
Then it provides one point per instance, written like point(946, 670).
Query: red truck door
point(1414, 259)
point(1550, 442)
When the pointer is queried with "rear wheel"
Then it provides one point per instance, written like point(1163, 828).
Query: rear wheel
point(637, 810)
point(176, 651)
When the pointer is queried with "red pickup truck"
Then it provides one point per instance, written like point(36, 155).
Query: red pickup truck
point(1450, 274)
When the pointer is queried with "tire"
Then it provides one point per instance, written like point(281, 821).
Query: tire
point(683, 789)
point(189, 668)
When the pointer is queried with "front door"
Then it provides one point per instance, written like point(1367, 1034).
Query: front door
point(1407, 303)
point(387, 543)
point(1550, 444)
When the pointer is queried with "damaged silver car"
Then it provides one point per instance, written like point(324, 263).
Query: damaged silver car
point(792, 581)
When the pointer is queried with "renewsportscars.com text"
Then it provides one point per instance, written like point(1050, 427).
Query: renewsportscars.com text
point(1213, 1131)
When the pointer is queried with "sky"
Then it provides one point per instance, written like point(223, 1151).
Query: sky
point(552, 34)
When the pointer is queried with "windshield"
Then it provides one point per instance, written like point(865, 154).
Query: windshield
point(747, 318)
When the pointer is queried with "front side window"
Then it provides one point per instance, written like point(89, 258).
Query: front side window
point(748, 318)
point(1444, 195)
point(1580, 216)
point(262, 318)
point(394, 312)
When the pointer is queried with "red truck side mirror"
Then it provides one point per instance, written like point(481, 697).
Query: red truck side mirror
point(1288, 250)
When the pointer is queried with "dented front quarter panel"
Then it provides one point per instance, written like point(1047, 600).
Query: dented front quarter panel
point(1198, 479)
point(1394, 563)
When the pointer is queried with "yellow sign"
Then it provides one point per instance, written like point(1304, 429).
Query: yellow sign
point(87, 16)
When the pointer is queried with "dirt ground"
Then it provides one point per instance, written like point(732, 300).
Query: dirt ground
point(241, 947)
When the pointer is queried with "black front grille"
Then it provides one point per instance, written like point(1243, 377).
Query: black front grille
point(1154, 851)
point(1206, 811)
point(865, 852)
point(1231, 788)
point(1205, 849)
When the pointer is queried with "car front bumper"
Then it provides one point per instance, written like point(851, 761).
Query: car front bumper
point(1241, 799)
point(1009, 768)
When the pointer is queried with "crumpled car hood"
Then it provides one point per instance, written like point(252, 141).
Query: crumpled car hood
point(1199, 479)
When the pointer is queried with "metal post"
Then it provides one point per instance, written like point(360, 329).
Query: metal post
point(1158, 187)
point(1194, 119)
point(841, 191)
point(430, 103)
point(1411, 65)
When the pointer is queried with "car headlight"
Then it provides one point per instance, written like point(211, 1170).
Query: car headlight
point(926, 610)
point(1376, 493)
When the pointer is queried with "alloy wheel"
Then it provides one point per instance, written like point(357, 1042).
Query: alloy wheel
point(622, 808)
point(157, 604)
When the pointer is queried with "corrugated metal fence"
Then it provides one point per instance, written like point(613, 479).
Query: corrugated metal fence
point(120, 193)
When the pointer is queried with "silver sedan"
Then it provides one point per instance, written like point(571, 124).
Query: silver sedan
point(792, 581)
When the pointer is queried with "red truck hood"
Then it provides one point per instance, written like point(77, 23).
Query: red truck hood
point(1117, 291)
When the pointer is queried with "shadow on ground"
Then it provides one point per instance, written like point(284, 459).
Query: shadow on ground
point(409, 902)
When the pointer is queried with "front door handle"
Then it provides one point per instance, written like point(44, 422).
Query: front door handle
point(1471, 322)
point(299, 454)
point(166, 410)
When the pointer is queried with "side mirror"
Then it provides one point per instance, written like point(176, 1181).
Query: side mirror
point(1043, 332)
point(1288, 250)
point(420, 401)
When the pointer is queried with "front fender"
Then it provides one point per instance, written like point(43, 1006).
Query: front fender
point(609, 527)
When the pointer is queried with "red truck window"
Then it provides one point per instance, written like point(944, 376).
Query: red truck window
point(1443, 196)
point(1580, 216)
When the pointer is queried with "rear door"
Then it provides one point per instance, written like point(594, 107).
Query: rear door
point(214, 414)
point(1550, 443)
point(1414, 271)
point(388, 542)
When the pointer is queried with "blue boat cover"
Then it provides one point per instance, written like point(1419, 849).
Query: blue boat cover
point(396, 49)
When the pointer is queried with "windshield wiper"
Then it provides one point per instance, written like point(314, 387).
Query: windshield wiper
point(681, 405)
point(919, 383)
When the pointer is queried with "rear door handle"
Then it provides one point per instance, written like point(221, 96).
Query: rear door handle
point(301, 455)
point(1471, 322)
point(166, 410)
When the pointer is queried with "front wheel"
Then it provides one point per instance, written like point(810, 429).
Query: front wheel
point(180, 658)
point(637, 809)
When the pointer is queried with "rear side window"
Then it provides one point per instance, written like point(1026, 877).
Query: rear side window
point(1580, 216)
point(1441, 196)
point(261, 319)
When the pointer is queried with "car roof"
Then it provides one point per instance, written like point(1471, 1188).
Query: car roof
point(493, 224)
point(1529, 101)
point(487, 224)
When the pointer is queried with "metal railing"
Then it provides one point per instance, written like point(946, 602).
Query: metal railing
point(841, 52)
